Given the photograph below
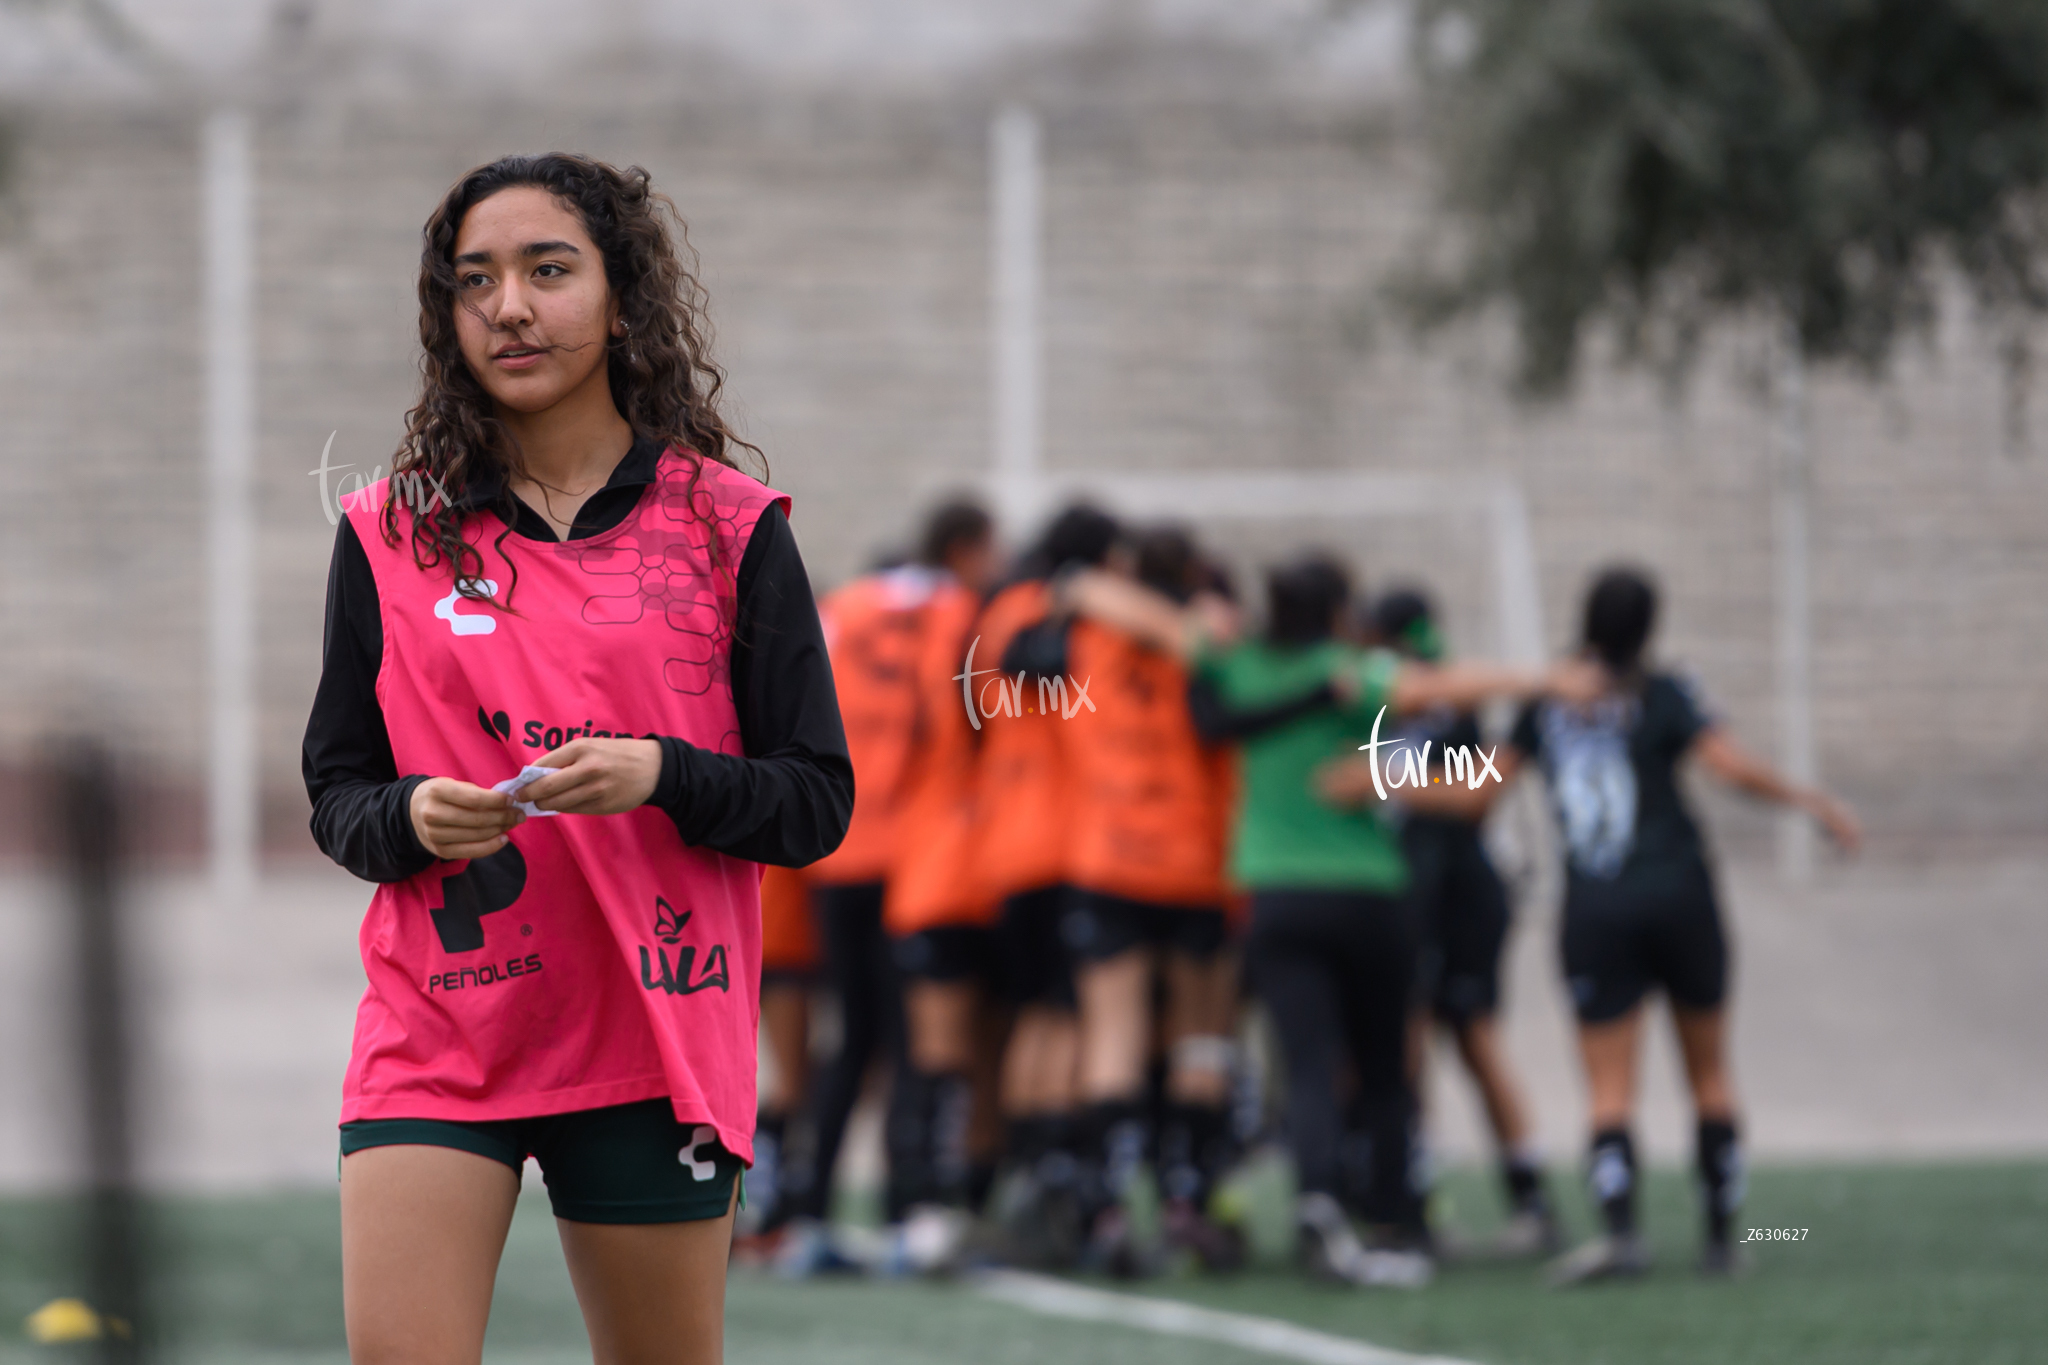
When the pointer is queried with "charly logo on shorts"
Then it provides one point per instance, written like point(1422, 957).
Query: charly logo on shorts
point(677, 979)
point(701, 1154)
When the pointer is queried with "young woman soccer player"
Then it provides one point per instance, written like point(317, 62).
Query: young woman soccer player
point(1332, 949)
point(1022, 809)
point(1640, 910)
point(940, 923)
point(873, 626)
point(1462, 914)
point(1149, 810)
point(880, 629)
point(565, 573)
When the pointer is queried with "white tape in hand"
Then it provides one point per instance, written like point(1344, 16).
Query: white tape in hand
point(529, 773)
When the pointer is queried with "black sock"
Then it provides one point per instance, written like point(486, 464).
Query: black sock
point(952, 1101)
point(927, 1140)
point(1058, 1162)
point(1354, 1169)
point(1112, 1149)
point(1026, 1139)
point(1042, 1145)
point(769, 1128)
point(765, 1179)
point(1396, 1201)
point(795, 1170)
point(906, 1141)
point(1524, 1181)
point(1721, 1176)
point(1195, 1148)
point(981, 1181)
point(1611, 1176)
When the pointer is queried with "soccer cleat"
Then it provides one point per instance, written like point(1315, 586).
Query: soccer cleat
point(930, 1241)
point(1328, 1248)
point(1038, 1221)
point(1603, 1258)
point(808, 1249)
point(1530, 1232)
point(1113, 1248)
point(1722, 1261)
point(1396, 1268)
point(1218, 1247)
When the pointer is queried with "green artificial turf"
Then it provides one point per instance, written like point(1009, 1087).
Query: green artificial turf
point(1901, 1265)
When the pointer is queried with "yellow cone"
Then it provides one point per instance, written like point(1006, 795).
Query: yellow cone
point(62, 1320)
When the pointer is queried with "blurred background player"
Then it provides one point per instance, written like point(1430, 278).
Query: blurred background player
point(1145, 861)
point(1332, 950)
point(876, 629)
point(789, 960)
point(1462, 916)
point(1640, 910)
point(1022, 809)
point(941, 922)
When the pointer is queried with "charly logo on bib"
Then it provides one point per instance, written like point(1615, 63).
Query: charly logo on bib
point(466, 623)
point(676, 980)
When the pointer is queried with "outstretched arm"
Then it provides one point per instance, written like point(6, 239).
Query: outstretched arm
point(1720, 755)
point(1462, 686)
point(1145, 614)
point(1347, 781)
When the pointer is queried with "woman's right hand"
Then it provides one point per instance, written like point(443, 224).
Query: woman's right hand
point(1837, 819)
point(1214, 618)
point(456, 820)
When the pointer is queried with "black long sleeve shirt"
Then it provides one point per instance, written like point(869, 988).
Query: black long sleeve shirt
point(787, 801)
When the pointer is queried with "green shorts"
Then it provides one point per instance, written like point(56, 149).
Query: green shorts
point(626, 1163)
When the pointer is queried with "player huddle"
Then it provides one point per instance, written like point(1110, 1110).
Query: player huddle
point(1102, 805)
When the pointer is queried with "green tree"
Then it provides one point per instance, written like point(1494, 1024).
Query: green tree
point(1658, 166)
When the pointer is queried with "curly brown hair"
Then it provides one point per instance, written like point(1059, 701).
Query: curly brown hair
point(662, 377)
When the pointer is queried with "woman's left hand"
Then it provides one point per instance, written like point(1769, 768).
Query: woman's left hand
point(597, 777)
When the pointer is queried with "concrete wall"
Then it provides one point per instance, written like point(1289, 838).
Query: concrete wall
point(1215, 226)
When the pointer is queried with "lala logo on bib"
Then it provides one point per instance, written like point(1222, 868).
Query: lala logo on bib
point(668, 927)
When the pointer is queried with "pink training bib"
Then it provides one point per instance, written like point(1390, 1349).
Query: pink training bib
point(595, 959)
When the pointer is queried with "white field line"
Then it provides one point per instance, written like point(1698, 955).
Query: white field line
point(1266, 1336)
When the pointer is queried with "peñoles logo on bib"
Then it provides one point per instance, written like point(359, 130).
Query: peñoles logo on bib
point(668, 927)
